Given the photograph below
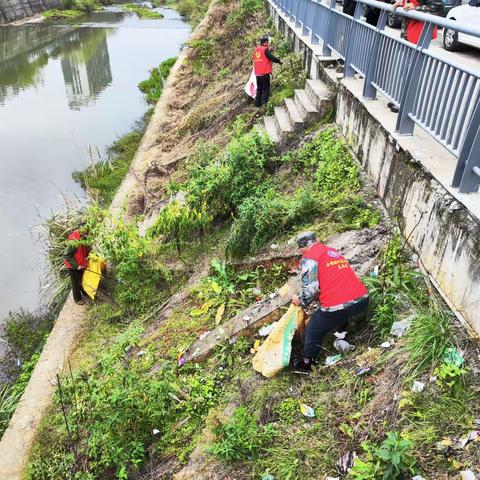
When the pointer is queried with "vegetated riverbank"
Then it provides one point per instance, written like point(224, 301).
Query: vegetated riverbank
point(221, 192)
point(101, 180)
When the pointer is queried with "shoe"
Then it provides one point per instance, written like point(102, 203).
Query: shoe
point(392, 107)
point(302, 364)
point(80, 302)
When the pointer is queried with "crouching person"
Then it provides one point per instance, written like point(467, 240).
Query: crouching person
point(76, 255)
point(328, 277)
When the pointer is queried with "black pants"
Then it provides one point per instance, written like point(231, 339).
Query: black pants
point(76, 277)
point(323, 322)
point(263, 90)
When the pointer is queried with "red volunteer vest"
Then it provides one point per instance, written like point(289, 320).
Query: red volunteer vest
point(261, 64)
point(414, 27)
point(81, 254)
point(337, 281)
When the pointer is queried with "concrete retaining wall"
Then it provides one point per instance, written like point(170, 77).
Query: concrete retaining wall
point(11, 10)
point(439, 227)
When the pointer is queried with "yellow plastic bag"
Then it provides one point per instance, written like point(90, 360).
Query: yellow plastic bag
point(92, 275)
point(274, 355)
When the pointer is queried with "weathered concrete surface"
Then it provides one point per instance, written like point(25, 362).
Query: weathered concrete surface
point(11, 10)
point(412, 175)
point(18, 438)
point(360, 247)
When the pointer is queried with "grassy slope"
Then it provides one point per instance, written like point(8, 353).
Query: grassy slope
point(132, 414)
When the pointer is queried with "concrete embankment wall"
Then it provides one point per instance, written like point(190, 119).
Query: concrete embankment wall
point(11, 10)
point(437, 223)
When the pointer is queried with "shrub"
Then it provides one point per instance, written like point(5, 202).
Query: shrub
point(142, 11)
point(153, 86)
point(241, 438)
point(180, 222)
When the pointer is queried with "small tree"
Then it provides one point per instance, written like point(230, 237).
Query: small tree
point(180, 222)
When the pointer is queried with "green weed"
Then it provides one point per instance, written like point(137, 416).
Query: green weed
point(152, 87)
point(241, 438)
point(141, 11)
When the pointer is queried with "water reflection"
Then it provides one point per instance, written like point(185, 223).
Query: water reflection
point(83, 52)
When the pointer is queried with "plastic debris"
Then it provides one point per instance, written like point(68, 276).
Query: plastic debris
point(332, 478)
point(203, 335)
point(362, 371)
point(155, 431)
point(417, 387)
point(329, 361)
point(374, 272)
point(453, 357)
point(247, 318)
point(399, 328)
point(343, 346)
point(141, 353)
point(467, 475)
point(266, 330)
point(256, 346)
point(307, 411)
point(273, 295)
point(477, 421)
point(256, 291)
point(340, 335)
point(345, 462)
point(181, 361)
point(267, 476)
point(385, 345)
point(418, 477)
point(464, 441)
point(274, 246)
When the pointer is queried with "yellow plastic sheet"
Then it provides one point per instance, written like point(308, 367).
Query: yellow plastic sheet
point(92, 275)
point(274, 355)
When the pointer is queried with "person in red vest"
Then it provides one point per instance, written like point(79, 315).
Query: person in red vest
point(328, 278)
point(75, 259)
point(262, 67)
point(411, 28)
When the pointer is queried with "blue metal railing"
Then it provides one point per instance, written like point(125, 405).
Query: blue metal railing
point(439, 95)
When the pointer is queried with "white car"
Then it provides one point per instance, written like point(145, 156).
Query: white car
point(468, 15)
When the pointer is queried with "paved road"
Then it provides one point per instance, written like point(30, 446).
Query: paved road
point(468, 56)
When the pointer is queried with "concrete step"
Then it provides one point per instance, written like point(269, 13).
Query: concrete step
point(305, 106)
point(260, 127)
point(271, 129)
point(282, 119)
point(319, 95)
point(296, 118)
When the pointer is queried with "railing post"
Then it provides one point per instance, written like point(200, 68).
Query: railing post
point(467, 174)
point(405, 124)
point(369, 91)
point(327, 51)
point(348, 71)
point(316, 20)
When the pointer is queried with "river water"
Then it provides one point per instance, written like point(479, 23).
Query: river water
point(64, 90)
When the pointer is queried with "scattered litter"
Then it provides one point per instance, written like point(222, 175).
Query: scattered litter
point(477, 421)
point(467, 475)
point(343, 346)
point(345, 462)
point(444, 445)
point(340, 335)
point(266, 330)
point(464, 441)
point(247, 318)
point(256, 346)
point(219, 314)
point(433, 378)
point(368, 358)
point(329, 361)
point(203, 335)
point(374, 272)
point(155, 431)
point(307, 411)
point(385, 345)
point(255, 311)
point(274, 246)
point(256, 291)
point(399, 328)
point(417, 387)
point(362, 371)
point(127, 349)
point(267, 476)
point(332, 478)
point(418, 477)
point(453, 357)
point(291, 241)
point(181, 361)
point(273, 295)
point(141, 353)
